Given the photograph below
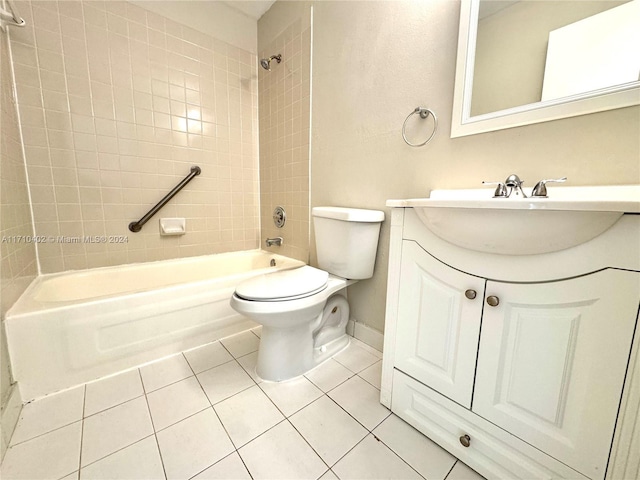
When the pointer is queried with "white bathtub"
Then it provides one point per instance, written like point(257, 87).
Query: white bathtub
point(71, 328)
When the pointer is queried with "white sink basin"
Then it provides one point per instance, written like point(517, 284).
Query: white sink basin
point(474, 220)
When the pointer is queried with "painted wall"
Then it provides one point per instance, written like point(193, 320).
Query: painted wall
point(17, 254)
point(117, 103)
point(284, 112)
point(213, 18)
point(373, 63)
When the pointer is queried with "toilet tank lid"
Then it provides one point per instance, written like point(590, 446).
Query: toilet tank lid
point(348, 214)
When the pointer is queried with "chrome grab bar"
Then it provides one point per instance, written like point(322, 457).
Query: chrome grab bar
point(137, 226)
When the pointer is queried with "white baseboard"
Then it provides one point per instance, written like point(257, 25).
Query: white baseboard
point(9, 418)
point(368, 335)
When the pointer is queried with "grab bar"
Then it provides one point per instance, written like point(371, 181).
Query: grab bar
point(12, 16)
point(137, 226)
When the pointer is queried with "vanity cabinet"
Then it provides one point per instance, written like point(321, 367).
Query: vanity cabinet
point(440, 308)
point(518, 377)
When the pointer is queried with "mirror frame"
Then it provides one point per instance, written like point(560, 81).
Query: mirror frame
point(462, 123)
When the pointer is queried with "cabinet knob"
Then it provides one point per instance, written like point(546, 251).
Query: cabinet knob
point(493, 301)
point(470, 294)
point(465, 440)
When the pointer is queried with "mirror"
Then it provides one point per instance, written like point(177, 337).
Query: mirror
point(527, 61)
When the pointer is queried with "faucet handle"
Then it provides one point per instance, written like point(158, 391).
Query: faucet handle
point(501, 190)
point(540, 190)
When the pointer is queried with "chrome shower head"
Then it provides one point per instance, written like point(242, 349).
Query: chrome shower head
point(266, 62)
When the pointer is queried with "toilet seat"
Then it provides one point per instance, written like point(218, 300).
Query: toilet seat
point(284, 285)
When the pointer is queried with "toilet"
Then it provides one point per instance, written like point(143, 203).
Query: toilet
point(302, 312)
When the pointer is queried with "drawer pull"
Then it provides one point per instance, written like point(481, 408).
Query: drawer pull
point(465, 440)
point(493, 301)
point(470, 294)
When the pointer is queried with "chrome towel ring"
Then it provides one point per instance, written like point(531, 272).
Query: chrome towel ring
point(424, 113)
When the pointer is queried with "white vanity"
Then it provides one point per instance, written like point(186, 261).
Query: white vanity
point(510, 324)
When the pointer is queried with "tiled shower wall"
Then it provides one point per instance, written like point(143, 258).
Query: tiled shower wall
point(17, 255)
point(284, 137)
point(117, 103)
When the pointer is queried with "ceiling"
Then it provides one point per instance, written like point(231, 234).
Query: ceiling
point(487, 8)
point(254, 9)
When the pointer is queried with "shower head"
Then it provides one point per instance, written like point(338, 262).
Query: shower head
point(266, 62)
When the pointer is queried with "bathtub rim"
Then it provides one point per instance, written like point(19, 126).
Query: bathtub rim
point(27, 304)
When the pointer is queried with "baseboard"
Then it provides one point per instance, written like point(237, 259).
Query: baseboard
point(368, 335)
point(9, 418)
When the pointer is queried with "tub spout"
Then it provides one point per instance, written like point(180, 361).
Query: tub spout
point(277, 241)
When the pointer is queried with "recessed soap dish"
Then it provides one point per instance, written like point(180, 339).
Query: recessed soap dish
point(173, 226)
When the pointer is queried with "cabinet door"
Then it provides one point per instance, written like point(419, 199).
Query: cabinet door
point(552, 363)
point(438, 326)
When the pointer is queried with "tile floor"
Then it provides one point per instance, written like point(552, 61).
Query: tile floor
point(203, 414)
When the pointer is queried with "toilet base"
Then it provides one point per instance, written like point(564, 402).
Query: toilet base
point(298, 335)
point(276, 361)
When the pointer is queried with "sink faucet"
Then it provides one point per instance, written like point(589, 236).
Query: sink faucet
point(277, 241)
point(515, 185)
point(506, 188)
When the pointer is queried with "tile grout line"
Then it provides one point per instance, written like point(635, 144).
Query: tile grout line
point(118, 450)
point(115, 405)
point(236, 449)
point(348, 413)
point(451, 469)
point(332, 388)
point(153, 426)
point(216, 463)
point(45, 433)
point(349, 451)
point(396, 453)
point(84, 407)
point(216, 413)
point(307, 442)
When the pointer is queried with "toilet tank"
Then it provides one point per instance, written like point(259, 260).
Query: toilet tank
point(347, 240)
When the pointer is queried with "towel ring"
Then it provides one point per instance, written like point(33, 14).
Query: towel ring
point(424, 113)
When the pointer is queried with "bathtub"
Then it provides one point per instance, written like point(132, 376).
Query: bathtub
point(73, 327)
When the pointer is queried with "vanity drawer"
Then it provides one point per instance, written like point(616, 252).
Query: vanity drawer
point(492, 451)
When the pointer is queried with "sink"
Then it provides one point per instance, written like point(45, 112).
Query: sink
point(474, 220)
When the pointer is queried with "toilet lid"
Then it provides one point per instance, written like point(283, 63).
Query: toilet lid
point(284, 285)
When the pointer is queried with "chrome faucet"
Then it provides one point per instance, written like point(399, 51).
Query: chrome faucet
point(515, 185)
point(506, 188)
point(277, 241)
